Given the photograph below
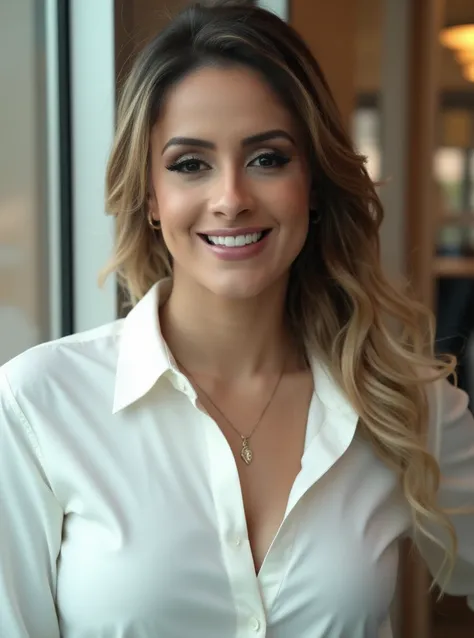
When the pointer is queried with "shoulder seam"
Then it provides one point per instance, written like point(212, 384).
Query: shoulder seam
point(22, 418)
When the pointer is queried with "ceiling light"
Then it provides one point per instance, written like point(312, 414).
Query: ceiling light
point(459, 37)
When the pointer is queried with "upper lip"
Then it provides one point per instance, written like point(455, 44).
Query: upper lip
point(233, 232)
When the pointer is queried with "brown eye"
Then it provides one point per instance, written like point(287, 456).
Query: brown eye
point(270, 160)
point(191, 165)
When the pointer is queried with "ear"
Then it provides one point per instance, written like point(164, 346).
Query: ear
point(152, 205)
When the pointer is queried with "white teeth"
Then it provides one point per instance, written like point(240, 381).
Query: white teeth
point(235, 240)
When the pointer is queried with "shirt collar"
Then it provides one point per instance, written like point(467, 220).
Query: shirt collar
point(328, 392)
point(144, 357)
point(143, 354)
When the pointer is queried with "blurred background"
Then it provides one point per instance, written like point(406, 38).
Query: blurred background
point(403, 74)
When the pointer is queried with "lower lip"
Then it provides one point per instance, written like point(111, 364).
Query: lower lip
point(237, 253)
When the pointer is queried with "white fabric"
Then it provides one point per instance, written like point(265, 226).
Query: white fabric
point(122, 513)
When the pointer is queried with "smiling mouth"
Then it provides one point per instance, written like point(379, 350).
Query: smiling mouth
point(235, 241)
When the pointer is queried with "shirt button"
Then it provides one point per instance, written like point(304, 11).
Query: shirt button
point(185, 387)
point(254, 624)
point(237, 541)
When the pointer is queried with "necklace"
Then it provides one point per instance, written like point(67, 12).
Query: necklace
point(246, 453)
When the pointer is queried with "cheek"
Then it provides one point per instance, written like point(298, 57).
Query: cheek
point(290, 203)
point(176, 206)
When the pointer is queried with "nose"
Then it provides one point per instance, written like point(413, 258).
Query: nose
point(231, 194)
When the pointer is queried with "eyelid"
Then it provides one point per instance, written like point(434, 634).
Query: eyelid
point(270, 151)
point(185, 157)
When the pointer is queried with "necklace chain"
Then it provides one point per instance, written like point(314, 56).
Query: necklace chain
point(246, 452)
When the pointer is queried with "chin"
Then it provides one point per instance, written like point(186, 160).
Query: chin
point(242, 287)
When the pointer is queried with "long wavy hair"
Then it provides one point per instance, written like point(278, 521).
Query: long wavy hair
point(338, 299)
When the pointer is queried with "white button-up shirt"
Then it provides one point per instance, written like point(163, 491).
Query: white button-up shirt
point(122, 512)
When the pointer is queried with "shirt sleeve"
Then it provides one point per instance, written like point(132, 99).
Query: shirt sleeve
point(30, 529)
point(452, 442)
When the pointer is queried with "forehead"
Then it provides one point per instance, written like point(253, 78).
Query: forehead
point(215, 102)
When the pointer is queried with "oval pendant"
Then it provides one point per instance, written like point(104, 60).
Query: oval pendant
point(246, 453)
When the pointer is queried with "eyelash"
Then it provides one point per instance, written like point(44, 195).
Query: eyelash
point(279, 159)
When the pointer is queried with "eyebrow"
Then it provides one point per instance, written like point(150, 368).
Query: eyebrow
point(248, 141)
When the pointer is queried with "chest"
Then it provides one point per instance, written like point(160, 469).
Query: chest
point(276, 447)
point(163, 524)
point(330, 571)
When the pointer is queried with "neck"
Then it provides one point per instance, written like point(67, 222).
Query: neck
point(227, 337)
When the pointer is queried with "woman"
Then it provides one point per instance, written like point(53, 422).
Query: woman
point(241, 455)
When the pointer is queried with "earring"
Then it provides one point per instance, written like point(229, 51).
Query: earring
point(154, 225)
point(314, 216)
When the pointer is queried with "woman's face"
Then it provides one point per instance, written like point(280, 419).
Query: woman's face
point(229, 182)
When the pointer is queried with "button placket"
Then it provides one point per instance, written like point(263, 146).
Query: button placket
point(230, 516)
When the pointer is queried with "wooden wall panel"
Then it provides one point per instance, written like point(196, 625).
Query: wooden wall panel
point(329, 28)
point(427, 19)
